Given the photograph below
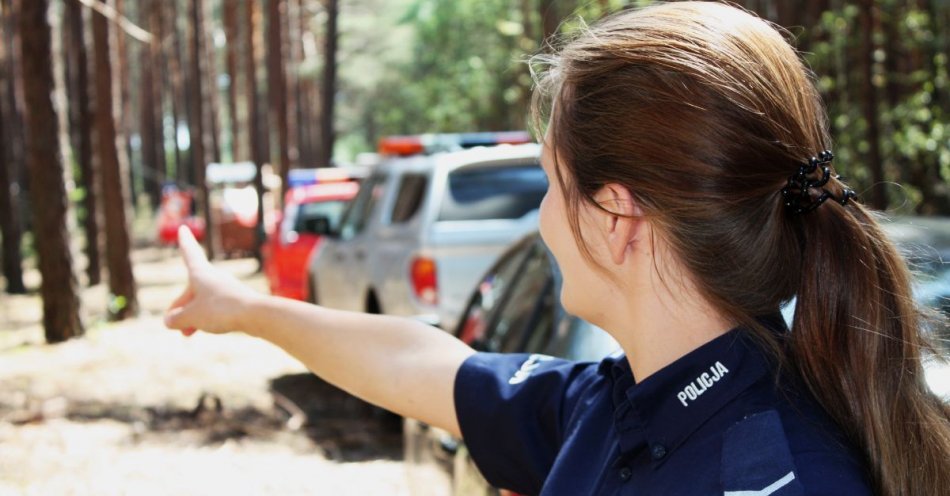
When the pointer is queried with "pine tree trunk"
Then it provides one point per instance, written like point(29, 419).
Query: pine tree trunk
point(550, 20)
point(9, 224)
point(196, 119)
point(164, 95)
point(231, 32)
point(122, 81)
point(306, 100)
point(869, 104)
point(327, 118)
point(277, 88)
point(210, 70)
point(150, 159)
point(111, 163)
point(10, 228)
point(252, 20)
point(12, 114)
point(290, 66)
point(80, 123)
point(153, 136)
point(45, 163)
point(183, 166)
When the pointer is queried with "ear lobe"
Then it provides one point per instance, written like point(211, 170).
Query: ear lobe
point(622, 219)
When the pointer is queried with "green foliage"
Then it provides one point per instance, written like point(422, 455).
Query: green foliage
point(459, 65)
point(909, 78)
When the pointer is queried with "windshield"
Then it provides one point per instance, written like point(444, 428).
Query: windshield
point(493, 192)
point(296, 216)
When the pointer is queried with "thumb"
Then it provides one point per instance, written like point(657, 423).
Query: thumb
point(179, 318)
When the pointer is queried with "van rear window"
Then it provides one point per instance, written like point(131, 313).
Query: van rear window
point(496, 192)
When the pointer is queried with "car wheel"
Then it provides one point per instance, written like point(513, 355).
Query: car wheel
point(312, 291)
point(372, 303)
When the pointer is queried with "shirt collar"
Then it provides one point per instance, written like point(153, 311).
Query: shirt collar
point(664, 409)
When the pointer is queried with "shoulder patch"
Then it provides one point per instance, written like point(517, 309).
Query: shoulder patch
point(756, 460)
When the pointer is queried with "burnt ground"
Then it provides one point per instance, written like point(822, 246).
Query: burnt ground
point(133, 408)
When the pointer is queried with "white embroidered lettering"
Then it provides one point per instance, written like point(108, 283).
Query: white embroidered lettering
point(529, 365)
point(721, 369)
point(702, 383)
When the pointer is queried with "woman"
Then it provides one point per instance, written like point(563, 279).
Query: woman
point(690, 198)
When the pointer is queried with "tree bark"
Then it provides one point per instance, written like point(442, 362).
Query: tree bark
point(10, 227)
point(869, 104)
point(252, 21)
point(61, 319)
point(80, 122)
point(550, 20)
point(122, 81)
point(232, 30)
point(183, 163)
point(111, 161)
point(153, 132)
point(196, 127)
point(277, 88)
point(305, 89)
point(210, 70)
point(16, 205)
point(291, 88)
point(327, 118)
point(9, 224)
point(150, 158)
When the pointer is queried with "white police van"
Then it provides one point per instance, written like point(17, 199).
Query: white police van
point(425, 226)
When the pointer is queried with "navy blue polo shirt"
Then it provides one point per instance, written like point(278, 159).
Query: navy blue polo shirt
point(715, 422)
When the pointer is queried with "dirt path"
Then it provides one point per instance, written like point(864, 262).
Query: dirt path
point(133, 408)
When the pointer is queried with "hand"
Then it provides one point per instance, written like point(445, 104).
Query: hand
point(213, 301)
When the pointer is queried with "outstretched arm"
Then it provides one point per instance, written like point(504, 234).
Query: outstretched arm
point(397, 363)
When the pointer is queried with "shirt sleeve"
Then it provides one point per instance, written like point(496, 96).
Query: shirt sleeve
point(512, 410)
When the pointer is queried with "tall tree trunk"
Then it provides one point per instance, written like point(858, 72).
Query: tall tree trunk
point(80, 122)
point(869, 104)
point(12, 94)
point(210, 70)
point(9, 224)
point(327, 117)
point(277, 88)
point(196, 125)
point(306, 99)
point(231, 32)
point(290, 66)
point(112, 164)
point(151, 172)
point(45, 162)
point(252, 20)
point(550, 19)
point(10, 227)
point(123, 81)
point(165, 95)
point(152, 106)
point(180, 112)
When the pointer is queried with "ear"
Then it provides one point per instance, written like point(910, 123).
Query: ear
point(621, 219)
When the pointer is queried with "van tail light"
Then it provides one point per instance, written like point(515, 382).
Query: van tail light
point(423, 277)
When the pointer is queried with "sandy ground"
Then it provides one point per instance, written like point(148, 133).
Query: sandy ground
point(132, 408)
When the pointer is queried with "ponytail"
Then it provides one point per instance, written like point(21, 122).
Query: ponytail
point(856, 343)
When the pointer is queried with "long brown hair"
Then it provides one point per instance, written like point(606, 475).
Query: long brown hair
point(704, 111)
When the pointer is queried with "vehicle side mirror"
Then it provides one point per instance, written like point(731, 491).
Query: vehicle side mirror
point(318, 225)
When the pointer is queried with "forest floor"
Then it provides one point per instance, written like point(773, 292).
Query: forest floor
point(133, 408)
